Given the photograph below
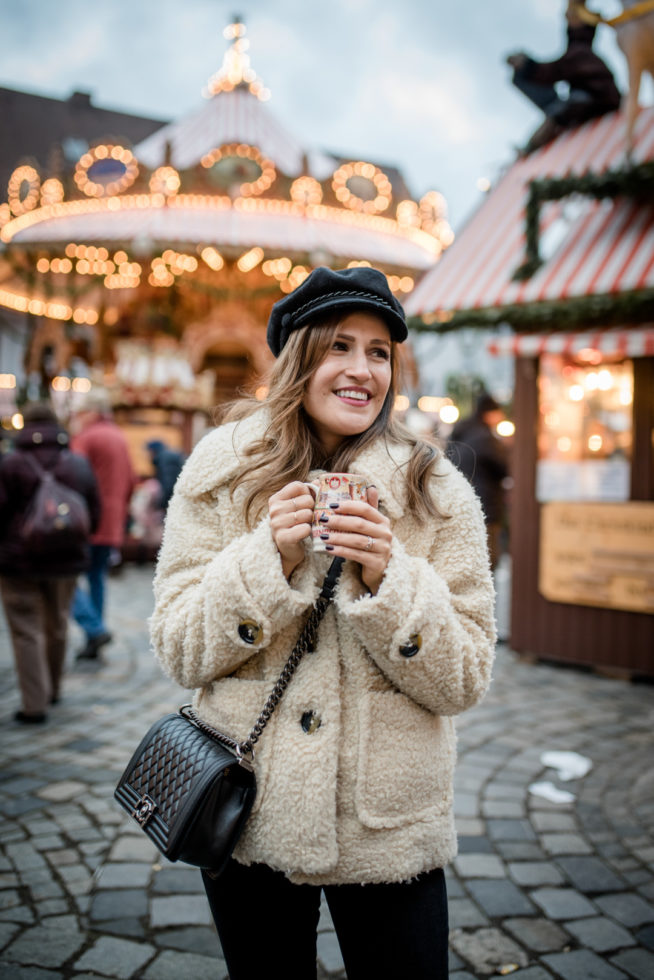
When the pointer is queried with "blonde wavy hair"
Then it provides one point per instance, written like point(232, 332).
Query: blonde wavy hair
point(289, 448)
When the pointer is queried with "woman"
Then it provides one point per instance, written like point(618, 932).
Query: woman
point(354, 771)
point(37, 587)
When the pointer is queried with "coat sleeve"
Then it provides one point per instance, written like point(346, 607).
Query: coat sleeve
point(443, 605)
point(205, 590)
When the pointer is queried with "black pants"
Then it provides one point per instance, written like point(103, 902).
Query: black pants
point(389, 931)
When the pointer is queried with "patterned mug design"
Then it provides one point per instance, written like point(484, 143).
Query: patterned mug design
point(334, 488)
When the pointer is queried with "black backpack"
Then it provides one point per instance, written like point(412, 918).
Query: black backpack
point(57, 520)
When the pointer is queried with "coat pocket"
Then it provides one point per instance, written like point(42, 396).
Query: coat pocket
point(232, 705)
point(406, 761)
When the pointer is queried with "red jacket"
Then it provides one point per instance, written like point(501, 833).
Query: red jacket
point(105, 447)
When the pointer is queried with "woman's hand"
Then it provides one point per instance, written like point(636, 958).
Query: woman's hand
point(291, 513)
point(358, 531)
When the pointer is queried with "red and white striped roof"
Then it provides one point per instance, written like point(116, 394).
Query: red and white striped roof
point(605, 247)
point(615, 342)
point(230, 117)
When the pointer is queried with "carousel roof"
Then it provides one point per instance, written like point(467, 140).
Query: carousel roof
point(591, 246)
point(236, 117)
point(275, 226)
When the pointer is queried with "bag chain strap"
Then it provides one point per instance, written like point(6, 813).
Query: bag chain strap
point(305, 644)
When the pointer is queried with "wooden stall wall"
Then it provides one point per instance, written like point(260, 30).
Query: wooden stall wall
point(608, 640)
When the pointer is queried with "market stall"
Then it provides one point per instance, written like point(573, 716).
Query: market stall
point(562, 251)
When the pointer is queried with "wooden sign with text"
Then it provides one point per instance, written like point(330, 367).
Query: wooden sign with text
point(598, 554)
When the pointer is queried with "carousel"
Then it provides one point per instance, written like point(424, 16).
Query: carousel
point(151, 269)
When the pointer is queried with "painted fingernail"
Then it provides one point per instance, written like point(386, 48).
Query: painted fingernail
point(329, 547)
point(323, 518)
point(325, 535)
point(334, 506)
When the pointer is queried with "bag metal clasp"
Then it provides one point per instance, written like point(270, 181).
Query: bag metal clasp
point(144, 810)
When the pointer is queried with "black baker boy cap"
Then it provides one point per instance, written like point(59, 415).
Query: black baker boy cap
point(327, 291)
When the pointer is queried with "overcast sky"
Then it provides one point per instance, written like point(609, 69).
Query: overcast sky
point(420, 84)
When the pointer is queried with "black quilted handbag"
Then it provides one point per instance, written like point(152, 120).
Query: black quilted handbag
point(191, 787)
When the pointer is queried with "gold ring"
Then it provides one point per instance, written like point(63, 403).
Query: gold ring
point(368, 547)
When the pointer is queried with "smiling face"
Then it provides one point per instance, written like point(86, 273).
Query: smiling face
point(346, 392)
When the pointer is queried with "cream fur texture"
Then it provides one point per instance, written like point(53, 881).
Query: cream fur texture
point(367, 796)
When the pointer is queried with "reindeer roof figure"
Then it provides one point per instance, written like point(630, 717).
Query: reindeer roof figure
point(591, 88)
point(634, 29)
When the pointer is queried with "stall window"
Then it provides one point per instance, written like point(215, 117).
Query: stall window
point(584, 429)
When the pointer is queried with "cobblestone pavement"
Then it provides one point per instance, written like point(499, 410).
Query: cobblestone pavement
point(540, 889)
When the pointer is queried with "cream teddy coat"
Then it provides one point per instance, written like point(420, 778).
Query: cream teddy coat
point(354, 770)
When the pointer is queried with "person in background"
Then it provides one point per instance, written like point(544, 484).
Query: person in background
point(354, 774)
point(592, 89)
point(96, 436)
point(168, 465)
point(478, 452)
point(37, 589)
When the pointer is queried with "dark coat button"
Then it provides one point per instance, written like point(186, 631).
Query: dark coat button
point(250, 632)
point(410, 648)
point(310, 722)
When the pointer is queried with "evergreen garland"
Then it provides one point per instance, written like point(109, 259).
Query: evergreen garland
point(607, 309)
point(637, 182)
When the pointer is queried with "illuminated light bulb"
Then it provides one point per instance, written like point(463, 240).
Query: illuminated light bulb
point(52, 191)
point(595, 443)
point(81, 384)
point(483, 184)
point(42, 265)
point(120, 257)
point(625, 396)
point(605, 380)
point(261, 393)
point(407, 214)
point(61, 383)
point(591, 380)
point(7, 381)
point(250, 259)
point(505, 428)
point(17, 420)
point(449, 414)
point(66, 265)
point(429, 403)
point(575, 393)
point(401, 403)
point(71, 250)
point(406, 284)
point(212, 257)
point(564, 444)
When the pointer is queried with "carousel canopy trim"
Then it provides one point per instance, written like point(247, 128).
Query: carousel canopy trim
point(589, 247)
point(194, 218)
point(625, 342)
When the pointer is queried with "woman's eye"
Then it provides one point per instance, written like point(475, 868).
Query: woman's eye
point(339, 345)
point(381, 352)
